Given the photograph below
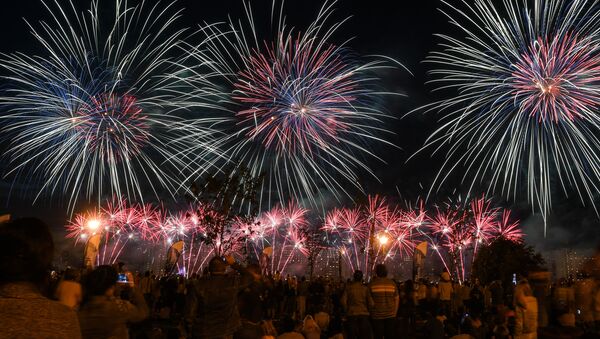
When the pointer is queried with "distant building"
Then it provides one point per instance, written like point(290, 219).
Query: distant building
point(565, 262)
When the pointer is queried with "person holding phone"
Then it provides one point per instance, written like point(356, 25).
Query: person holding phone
point(212, 302)
point(102, 315)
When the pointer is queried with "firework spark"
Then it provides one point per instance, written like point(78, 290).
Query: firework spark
point(529, 87)
point(349, 230)
point(280, 235)
point(458, 228)
point(303, 110)
point(94, 114)
point(118, 223)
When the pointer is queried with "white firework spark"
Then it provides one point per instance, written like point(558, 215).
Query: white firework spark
point(302, 110)
point(96, 112)
point(526, 112)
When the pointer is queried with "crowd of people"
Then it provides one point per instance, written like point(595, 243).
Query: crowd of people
point(231, 300)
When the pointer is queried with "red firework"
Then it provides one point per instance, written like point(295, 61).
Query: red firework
point(508, 228)
point(484, 220)
point(349, 230)
point(552, 81)
point(299, 94)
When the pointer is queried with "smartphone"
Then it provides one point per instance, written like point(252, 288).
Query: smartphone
point(122, 278)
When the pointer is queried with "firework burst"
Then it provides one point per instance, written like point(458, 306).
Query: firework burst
point(117, 223)
point(526, 116)
point(280, 234)
point(303, 110)
point(94, 114)
point(351, 229)
point(457, 229)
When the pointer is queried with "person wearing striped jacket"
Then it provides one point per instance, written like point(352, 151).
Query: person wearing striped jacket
point(386, 299)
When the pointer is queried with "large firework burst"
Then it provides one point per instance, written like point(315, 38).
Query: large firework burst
point(303, 110)
point(526, 116)
point(91, 114)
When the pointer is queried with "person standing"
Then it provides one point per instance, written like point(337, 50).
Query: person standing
point(445, 292)
point(68, 291)
point(102, 314)
point(301, 298)
point(526, 313)
point(584, 301)
point(563, 298)
point(497, 294)
point(386, 299)
point(146, 288)
point(251, 306)
point(212, 303)
point(432, 297)
point(421, 293)
point(26, 249)
point(355, 301)
point(291, 291)
point(476, 298)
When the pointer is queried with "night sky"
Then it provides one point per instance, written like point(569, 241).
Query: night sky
point(403, 30)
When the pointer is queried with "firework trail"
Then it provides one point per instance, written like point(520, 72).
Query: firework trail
point(185, 226)
point(525, 117)
point(302, 110)
point(351, 229)
point(117, 223)
point(281, 235)
point(205, 233)
point(458, 228)
point(508, 228)
point(448, 231)
point(94, 114)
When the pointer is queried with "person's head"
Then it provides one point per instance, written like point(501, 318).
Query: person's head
point(288, 324)
point(501, 332)
point(381, 271)
point(254, 269)
point(101, 281)
point(440, 312)
point(217, 266)
point(71, 274)
point(26, 250)
point(147, 274)
point(358, 275)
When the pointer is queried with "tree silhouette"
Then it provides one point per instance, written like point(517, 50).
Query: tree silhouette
point(502, 258)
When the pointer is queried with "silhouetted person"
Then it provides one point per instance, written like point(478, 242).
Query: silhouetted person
point(26, 250)
point(102, 315)
point(212, 302)
point(356, 300)
point(69, 291)
point(251, 306)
